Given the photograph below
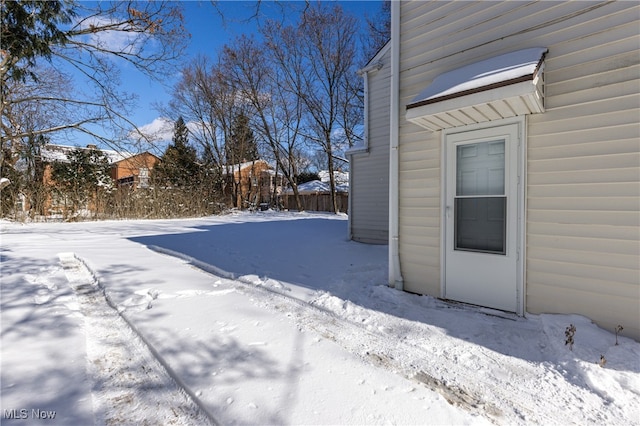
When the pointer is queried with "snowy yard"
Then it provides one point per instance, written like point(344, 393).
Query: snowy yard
point(275, 318)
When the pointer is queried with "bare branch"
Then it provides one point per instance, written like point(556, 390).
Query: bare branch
point(103, 35)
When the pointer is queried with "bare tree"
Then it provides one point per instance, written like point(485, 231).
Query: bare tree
point(207, 98)
point(21, 157)
point(198, 97)
point(276, 111)
point(318, 61)
point(227, 103)
point(378, 32)
point(91, 41)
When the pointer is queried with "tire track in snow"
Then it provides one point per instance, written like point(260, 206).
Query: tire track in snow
point(130, 384)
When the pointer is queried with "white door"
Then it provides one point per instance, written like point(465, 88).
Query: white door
point(481, 217)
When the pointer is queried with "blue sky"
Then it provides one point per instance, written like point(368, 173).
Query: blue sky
point(209, 33)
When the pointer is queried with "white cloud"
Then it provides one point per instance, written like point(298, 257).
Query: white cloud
point(159, 134)
point(160, 130)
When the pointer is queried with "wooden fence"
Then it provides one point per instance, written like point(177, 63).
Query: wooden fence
point(320, 202)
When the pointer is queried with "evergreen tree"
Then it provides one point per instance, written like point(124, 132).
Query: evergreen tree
point(81, 177)
point(307, 177)
point(242, 147)
point(178, 166)
point(29, 30)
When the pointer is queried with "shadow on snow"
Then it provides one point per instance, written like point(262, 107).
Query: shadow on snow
point(315, 253)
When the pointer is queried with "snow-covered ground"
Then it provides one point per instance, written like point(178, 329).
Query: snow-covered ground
point(275, 318)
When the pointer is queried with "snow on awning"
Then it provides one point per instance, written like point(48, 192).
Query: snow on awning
point(504, 86)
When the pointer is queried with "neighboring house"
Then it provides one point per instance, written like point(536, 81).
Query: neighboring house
point(134, 171)
point(252, 184)
point(126, 169)
point(514, 160)
point(369, 163)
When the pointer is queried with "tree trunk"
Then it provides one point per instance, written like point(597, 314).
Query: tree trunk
point(332, 180)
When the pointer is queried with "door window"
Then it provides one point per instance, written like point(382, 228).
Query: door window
point(480, 202)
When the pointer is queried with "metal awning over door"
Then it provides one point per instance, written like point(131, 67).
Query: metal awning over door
point(504, 86)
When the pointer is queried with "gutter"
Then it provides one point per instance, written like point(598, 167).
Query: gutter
point(372, 67)
point(395, 274)
point(350, 202)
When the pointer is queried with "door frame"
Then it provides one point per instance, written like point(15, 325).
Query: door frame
point(521, 122)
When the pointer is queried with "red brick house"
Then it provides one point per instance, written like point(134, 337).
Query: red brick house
point(251, 184)
point(127, 169)
point(134, 171)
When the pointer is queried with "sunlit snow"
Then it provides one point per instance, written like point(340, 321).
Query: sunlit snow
point(484, 73)
point(275, 318)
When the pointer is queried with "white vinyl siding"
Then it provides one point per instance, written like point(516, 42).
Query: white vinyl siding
point(583, 181)
point(369, 190)
point(582, 157)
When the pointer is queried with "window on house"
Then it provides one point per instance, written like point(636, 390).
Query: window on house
point(480, 200)
point(125, 181)
point(144, 177)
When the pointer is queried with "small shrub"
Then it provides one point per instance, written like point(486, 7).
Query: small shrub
point(603, 361)
point(569, 332)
